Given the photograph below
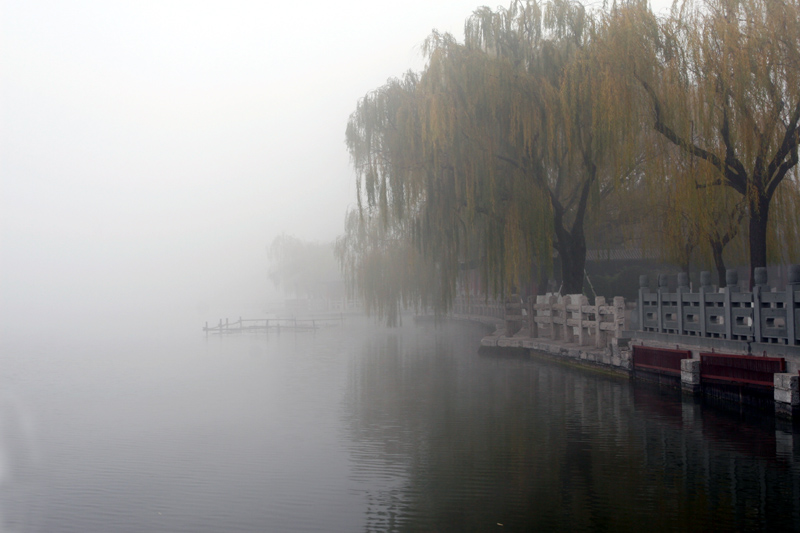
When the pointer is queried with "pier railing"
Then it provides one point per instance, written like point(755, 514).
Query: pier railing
point(764, 315)
point(271, 324)
point(572, 319)
point(479, 306)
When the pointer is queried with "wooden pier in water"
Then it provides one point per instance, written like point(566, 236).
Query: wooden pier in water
point(254, 325)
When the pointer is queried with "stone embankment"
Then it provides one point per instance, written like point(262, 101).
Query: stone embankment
point(615, 357)
point(723, 342)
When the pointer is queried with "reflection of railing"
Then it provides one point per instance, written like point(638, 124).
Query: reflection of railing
point(271, 324)
point(572, 319)
point(479, 306)
point(764, 315)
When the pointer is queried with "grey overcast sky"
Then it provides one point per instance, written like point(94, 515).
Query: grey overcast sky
point(150, 149)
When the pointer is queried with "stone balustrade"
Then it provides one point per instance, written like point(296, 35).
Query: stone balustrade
point(764, 315)
point(572, 319)
point(744, 327)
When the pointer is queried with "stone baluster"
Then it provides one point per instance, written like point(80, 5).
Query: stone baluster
point(643, 289)
point(600, 337)
point(683, 286)
point(791, 311)
point(759, 287)
point(732, 282)
point(662, 290)
point(705, 288)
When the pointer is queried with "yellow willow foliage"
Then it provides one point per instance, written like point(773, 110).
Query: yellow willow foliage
point(686, 220)
point(382, 267)
point(518, 103)
point(500, 149)
point(742, 60)
point(719, 79)
point(784, 234)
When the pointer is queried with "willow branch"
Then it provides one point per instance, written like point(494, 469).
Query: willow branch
point(779, 165)
point(732, 171)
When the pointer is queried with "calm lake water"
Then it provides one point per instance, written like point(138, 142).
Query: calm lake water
point(363, 428)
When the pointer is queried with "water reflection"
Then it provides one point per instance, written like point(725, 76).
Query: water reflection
point(360, 428)
point(462, 442)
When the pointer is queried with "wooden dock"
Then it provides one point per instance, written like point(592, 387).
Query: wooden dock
point(255, 325)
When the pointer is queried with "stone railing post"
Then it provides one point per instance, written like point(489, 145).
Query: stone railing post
point(568, 331)
point(533, 325)
point(705, 288)
point(683, 286)
point(600, 338)
point(552, 301)
point(643, 289)
point(759, 287)
point(619, 316)
point(662, 290)
point(583, 324)
point(732, 282)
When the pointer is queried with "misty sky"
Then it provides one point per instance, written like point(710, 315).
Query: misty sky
point(150, 150)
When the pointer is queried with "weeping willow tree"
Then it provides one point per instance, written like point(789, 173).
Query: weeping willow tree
point(382, 266)
point(300, 267)
point(720, 80)
point(538, 144)
point(504, 144)
point(690, 223)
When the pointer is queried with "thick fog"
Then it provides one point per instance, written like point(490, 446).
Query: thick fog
point(151, 150)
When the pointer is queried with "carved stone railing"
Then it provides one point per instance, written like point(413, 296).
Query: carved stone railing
point(763, 315)
point(571, 319)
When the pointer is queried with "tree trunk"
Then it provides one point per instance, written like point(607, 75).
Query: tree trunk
point(719, 262)
point(759, 216)
point(572, 272)
point(572, 252)
point(571, 245)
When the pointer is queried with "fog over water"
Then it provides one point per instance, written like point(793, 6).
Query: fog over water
point(149, 151)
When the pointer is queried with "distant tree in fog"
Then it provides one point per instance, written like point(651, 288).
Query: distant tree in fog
point(302, 268)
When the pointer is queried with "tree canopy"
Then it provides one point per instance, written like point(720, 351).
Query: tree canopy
point(720, 80)
point(502, 143)
point(503, 149)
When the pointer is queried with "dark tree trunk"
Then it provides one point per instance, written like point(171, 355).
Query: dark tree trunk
point(719, 262)
point(686, 267)
point(572, 250)
point(541, 280)
point(571, 245)
point(759, 216)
